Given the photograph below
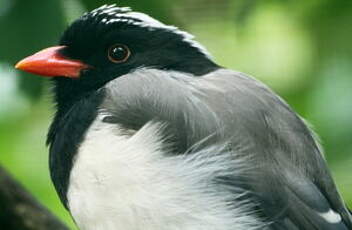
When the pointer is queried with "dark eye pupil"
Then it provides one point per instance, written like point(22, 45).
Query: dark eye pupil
point(118, 53)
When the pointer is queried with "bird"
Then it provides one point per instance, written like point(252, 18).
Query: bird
point(151, 133)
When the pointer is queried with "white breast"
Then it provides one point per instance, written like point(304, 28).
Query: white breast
point(125, 183)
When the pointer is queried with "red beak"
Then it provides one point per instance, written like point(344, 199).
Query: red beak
point(49, 62)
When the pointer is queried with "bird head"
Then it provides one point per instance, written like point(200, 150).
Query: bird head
point(111, 41)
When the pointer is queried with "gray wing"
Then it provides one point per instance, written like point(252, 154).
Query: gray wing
point(289, 181)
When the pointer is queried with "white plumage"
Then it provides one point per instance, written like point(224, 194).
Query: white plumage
point(122, 182)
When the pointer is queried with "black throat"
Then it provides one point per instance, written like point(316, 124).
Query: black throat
point(66, 132)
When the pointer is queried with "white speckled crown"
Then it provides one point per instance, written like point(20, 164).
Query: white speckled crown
point(109, 14)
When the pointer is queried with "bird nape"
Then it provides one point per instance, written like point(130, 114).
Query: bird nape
point(150, 133)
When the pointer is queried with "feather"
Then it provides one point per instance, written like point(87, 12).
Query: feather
point(290, 181)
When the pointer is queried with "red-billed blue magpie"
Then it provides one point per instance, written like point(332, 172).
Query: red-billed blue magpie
point(151, 134)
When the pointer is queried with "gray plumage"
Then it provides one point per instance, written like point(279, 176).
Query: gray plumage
point(288, 178)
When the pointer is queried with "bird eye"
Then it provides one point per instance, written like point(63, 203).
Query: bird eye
point(118, 53)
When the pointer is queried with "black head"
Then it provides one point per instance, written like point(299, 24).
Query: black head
point(114, 41)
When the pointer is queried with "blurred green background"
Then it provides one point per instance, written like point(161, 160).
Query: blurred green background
point(302, 49)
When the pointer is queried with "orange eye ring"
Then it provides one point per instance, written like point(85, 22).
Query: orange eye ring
point(118, 53)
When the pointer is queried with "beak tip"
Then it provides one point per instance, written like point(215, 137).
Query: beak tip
point(22, 64)
point(18, 65)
